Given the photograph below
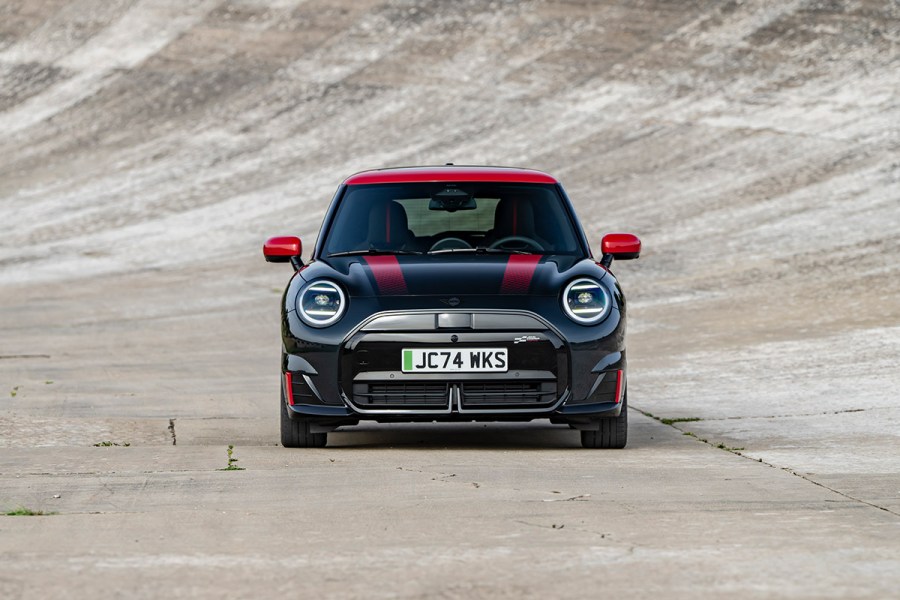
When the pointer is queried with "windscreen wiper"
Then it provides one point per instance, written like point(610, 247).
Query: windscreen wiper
point(370, 251)
point(481, 250)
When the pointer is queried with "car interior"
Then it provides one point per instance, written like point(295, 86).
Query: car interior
point(515, 222)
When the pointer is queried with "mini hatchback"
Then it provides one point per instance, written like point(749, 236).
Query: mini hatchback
point(453, 294)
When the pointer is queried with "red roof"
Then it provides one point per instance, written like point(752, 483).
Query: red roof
point(449, 173)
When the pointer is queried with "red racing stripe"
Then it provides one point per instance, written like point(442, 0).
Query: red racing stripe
point(388, 275)
point(519, 270)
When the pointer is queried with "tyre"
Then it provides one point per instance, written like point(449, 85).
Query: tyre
point(295, 432)
point(613, 432)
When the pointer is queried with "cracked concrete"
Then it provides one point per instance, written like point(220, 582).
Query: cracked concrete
point(152, 146)
point(742, 452)
point(663, 504)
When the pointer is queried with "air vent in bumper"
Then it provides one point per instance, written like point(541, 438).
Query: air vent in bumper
point(411, 394)
point(507, 394)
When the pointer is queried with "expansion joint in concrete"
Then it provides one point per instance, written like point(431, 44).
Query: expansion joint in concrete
point(738, 452)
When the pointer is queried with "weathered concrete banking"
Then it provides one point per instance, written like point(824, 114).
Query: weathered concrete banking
point(148, 147)
point(127, 123)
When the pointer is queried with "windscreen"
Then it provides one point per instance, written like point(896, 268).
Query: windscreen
point(452, 217)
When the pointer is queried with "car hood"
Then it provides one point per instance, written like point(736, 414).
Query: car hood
point(449, 276)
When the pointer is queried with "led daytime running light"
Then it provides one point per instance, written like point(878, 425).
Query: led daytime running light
point(321, 303)
point(586, 301)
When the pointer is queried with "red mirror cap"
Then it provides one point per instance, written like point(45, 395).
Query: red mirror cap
point(282, 248)
point(623, 246)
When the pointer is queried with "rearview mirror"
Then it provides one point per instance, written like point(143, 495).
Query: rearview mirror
point(619, 246)
point(284, 248)
point(452, 200)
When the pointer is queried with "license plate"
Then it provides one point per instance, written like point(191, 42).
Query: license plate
point(455, 360)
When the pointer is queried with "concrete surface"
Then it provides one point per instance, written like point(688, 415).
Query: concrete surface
point(150, 146)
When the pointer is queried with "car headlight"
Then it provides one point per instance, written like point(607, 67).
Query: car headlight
point(321, 303)
point(585, 301)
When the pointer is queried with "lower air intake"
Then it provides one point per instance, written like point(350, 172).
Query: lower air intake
point(403, 395)
point(506, 394)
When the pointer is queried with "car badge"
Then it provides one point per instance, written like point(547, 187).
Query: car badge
point(454, 301)
point(526, 338)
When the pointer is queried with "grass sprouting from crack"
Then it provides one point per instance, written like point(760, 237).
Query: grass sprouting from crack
point(231, 460)
point(107, 444)
point(720, 445)
point(694, 435)
point(679, 420)
point(672, 422)
point(729, 448)
point(26, 512)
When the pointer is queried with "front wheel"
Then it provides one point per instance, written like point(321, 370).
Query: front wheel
point(613, 432)
point(295, 432)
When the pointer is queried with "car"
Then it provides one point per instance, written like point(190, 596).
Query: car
point(453, 293)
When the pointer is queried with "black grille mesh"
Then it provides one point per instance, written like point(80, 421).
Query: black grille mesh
point(504, 393)
point(400, 394)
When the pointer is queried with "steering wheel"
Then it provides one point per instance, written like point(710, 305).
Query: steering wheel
point(450, 243)
point(524, 243)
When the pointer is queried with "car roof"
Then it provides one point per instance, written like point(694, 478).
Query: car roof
point(449, 173)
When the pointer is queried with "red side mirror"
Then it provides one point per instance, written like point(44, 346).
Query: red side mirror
point(621, 246)
point(282, 248)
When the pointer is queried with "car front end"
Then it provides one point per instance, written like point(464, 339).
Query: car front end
point(473, 329)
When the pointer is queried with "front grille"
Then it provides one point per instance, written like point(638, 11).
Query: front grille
point(372, 378)
point(506, 393)
point(409, 394)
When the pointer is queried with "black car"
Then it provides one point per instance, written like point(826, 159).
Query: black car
point(453, 294)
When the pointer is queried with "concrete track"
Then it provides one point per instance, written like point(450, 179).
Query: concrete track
point(148, 147)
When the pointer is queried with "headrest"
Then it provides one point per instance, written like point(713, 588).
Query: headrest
point(388, 225)
point(514, 216)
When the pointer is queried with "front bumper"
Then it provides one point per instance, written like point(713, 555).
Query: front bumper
point(549, 376)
